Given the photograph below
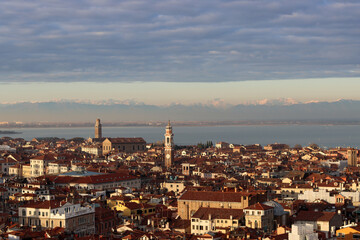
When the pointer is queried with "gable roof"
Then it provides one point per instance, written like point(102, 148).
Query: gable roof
point(126, 140)
point(213, 196)
point(93, 179)
point(313, 216)
point(218, 213)
point(44, 204)
point(259, 206)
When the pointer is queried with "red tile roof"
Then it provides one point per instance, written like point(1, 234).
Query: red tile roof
point(127, 140)
point(259, 206)
point(44, 204)
point(314, 216)
point(95, 179)
point(218, 213)
point(214, 196)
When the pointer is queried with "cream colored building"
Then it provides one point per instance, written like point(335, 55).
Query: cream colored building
point(326, 222)
point(39, 164)
point(191, 201)
point(55, 168)
point(175, 186)
point(50, 214)
point(259, 216)
point(95, 149)
point(20, 170)
point(5, 164)
point(303, 231)
point(15, 170)
point(26, 171)
point(216, 220)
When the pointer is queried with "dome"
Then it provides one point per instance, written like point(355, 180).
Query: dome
point(278, 209)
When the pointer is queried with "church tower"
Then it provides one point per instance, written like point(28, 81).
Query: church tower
point(169, 146)
point(352, 158)
point(98, 131)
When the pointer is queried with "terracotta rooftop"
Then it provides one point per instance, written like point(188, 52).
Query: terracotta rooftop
point(214, 196)
point(259, 206)
point(94, 179)
point(314, 216)
point(218, 213)
point(44, 204)
point(127, 140)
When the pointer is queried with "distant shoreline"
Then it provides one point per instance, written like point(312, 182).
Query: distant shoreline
point(10, 132)
point(174, 123)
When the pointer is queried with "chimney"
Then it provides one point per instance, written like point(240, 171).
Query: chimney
point(209, 216)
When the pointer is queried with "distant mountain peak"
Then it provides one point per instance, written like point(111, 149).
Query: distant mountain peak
point(278, 101)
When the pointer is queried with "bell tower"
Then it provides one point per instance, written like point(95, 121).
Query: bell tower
point(169, 146)
point(98, 130)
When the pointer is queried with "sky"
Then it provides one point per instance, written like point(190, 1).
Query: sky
point(170, 51)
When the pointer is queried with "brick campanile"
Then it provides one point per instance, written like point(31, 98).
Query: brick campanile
point(169, 146)
point(98, 130)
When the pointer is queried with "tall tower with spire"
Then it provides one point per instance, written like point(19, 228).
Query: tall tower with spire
point(98, 130)
point(169, 146)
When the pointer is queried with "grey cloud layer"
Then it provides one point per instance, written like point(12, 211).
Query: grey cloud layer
point(203, 40)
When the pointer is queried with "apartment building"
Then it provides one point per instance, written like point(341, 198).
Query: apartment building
point(50, 214)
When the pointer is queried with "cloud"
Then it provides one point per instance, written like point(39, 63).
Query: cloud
point(154, 40)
